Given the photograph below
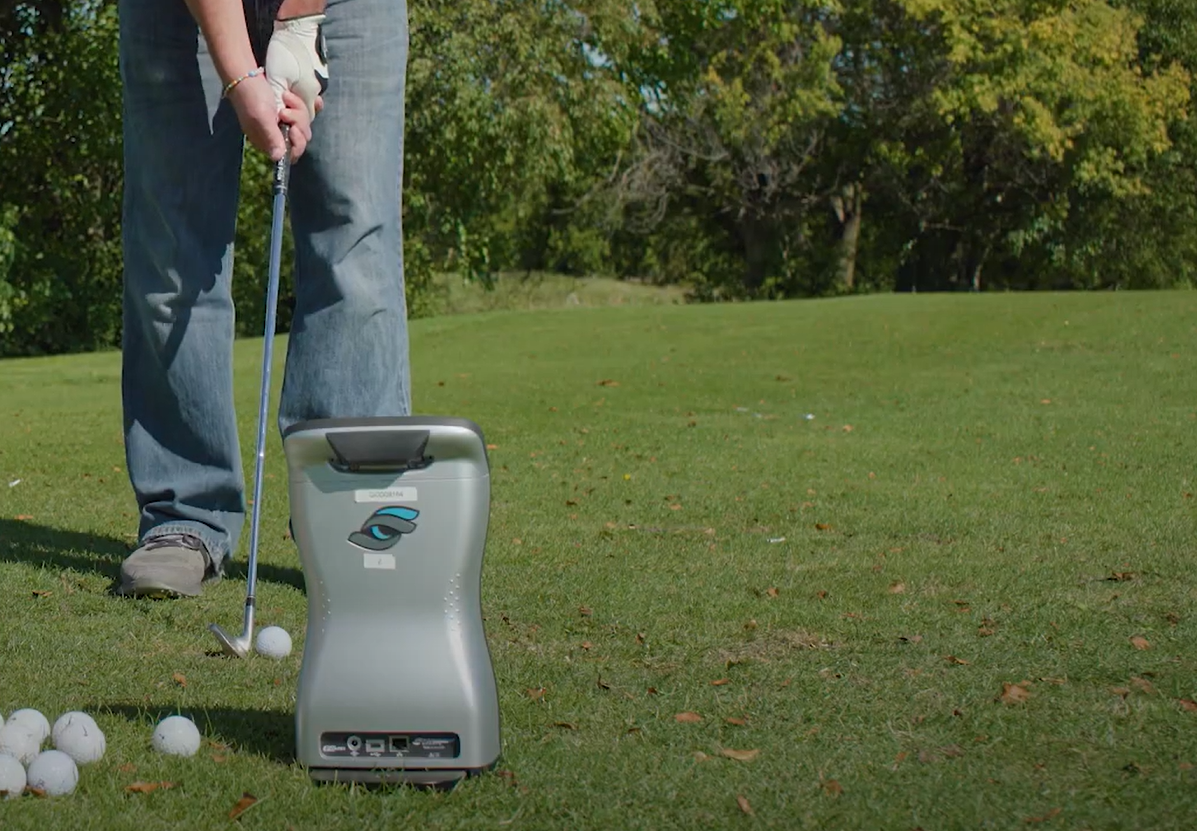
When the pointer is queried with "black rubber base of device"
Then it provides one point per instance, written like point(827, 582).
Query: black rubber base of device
point(435, 779)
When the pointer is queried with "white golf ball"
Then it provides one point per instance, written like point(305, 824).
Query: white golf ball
point(176, 736)
point(12, 777)
point(20, 742)
point(34, 720)
point(83, 742)
point(67, 719)
point(53, 772)
point(274, 642)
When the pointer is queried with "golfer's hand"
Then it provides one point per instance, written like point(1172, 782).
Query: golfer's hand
point(260, 114)
point(295, 60)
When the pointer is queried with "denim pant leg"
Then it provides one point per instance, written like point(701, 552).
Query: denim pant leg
point(182, 163)
point(347, 354)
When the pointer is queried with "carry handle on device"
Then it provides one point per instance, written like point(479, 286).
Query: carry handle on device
point(379, 451)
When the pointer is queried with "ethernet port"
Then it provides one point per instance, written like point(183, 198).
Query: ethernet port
point(398, 744)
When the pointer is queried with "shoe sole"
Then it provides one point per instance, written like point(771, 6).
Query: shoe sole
point(159, 591)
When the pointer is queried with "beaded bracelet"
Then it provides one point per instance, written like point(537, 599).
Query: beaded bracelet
point(253, 73)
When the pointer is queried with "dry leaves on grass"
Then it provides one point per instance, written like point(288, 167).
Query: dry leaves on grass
point(719, 682)
point(738, 722)
point(1052, 814)
point(149, 787)
point(246, 802)
point(739, 755)
point(742, 801)
point(832, 787)
point(1014, 694)
point(180, 679)
point(536, 694)
point(952, 659)
point(1139, 642)
point(1188, 705)
point(41, 593)
point(687, 718)
point(897, 588)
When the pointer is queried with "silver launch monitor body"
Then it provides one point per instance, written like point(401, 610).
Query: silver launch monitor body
point(390, 516)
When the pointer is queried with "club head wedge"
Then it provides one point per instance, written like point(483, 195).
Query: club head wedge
point(238, 647)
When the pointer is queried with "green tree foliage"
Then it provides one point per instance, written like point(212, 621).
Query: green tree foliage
point(60, 180)
point(751, 148)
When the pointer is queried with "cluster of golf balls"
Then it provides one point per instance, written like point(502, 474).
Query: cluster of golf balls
point(77, 740)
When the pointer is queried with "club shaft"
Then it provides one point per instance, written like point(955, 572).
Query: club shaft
point(281, 176)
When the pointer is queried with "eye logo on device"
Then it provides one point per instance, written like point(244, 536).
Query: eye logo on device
point(384, 528)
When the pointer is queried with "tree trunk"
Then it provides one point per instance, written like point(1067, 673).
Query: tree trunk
point(849, 209)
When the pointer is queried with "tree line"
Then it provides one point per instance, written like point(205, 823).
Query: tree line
point(746, 148)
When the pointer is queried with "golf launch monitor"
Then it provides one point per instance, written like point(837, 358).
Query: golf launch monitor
point(390, 516)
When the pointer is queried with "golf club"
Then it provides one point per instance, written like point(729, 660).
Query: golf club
point(240, 646)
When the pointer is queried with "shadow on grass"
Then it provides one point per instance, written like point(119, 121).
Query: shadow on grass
point(41, 545)
point(267, 733)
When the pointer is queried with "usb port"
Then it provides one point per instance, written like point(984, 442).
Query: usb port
point(375, 745)
point(398, 744)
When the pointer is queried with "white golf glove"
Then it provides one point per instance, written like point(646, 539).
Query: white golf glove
point(296, 60)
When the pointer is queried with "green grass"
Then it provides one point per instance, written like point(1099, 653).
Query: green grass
point(1006, 480)
point(451, 295)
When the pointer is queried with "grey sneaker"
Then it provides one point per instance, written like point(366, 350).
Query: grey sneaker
point(170, 565)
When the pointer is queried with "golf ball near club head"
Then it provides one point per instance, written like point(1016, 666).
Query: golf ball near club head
point(67, 719)
point(34, 720)
point(273, 642)
point(20, 742)
point(53, 772)
point(12, 777)
point(82, 741)
point(176, 736)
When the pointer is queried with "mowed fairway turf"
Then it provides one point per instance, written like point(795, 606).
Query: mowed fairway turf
point(891, 563)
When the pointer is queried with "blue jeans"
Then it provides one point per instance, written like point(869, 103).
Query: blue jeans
point(347, 354)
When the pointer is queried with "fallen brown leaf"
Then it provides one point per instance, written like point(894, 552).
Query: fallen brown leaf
point(127, 768)
point(246, 802)
point(567, 725)
point(179, 679)
point(1142, 685)
point(687, 718)
point(822, 526)
point(1139, 642)
point(719, 682)
point(607, 382)
point(536, 694)
point(22, 518)
point(219, 758)
point(832, 787)
point(738, 722)
point(740, 755)
point(1014, 694)
point(897, 588)
point(586, 644)
point(743, 803)
point(1054, 812)
point(952, 659)
point(699, 756)
point(984, 632)
point(772, 592)
point(585, 611)
point(149, 787)
point(911, 638)
point(1121, 692)
point(602, 684)
point(41, 593)
point(1188, 705)
point(1120, 576)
